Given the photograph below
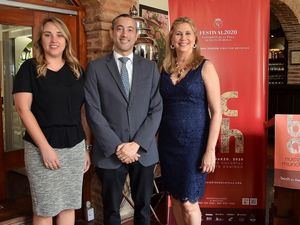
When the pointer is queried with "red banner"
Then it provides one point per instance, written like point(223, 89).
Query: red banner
point(287, 151)
point(234, 36)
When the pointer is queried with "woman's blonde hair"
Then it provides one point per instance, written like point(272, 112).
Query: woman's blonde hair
point(169, 63)
point(68, 54)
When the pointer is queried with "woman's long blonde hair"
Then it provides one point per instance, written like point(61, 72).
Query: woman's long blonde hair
point(169, 63)
point(68, 55)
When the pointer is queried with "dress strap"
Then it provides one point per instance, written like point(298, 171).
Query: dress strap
point(203, 61)
point(201, 66)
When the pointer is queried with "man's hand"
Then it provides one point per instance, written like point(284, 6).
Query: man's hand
point(127, 152)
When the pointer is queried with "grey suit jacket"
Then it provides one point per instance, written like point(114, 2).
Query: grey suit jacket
point(114, 119)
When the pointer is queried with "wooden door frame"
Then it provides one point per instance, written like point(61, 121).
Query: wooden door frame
point(80, 14)
point(10, 15)
point(81, 37)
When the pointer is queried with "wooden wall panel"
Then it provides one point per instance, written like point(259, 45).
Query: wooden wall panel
point(16, 16)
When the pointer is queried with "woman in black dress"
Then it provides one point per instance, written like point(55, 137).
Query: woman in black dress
point(190, 123)
point(49, 98)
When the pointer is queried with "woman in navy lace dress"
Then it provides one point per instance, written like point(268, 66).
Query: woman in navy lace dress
point(191, 121)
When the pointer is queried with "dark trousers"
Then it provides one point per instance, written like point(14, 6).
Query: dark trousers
point(141, 184)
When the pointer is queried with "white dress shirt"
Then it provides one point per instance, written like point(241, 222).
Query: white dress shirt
point(129, 65)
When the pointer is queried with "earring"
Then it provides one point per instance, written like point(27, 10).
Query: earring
point(172, 46)
point(195, 46)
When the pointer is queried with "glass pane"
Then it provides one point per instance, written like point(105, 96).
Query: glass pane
point(15, 48)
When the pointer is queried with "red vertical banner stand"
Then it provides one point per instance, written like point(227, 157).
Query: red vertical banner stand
point(234, 36)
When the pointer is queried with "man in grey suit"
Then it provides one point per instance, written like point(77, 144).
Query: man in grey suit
point(124, 109)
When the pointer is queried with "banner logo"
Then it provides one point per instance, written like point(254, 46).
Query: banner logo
point(218, 34)
point(293, 128)
point(218, 23)
point(226, 132)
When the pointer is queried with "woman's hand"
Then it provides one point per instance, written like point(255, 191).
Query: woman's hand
point(87, 161)
point(50, 158)
point(212, 86)
point(23, 101)
point(208, 162)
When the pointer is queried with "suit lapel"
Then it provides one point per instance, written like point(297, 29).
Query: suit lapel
point(136, 73)
point(113, 69)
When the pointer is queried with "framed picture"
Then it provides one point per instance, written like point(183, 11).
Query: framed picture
point(158, 22)
point(295, 57)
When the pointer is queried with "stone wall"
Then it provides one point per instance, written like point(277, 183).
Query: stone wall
point(294, 5)
point(291, 27)
point(97, 23)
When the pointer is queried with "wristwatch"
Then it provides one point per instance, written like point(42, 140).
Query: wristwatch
point(88, 148)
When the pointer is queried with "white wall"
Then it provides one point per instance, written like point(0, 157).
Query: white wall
point(159, 4)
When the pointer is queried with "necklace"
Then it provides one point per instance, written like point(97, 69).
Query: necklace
point(181, 71)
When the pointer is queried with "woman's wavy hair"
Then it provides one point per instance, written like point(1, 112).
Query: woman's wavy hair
point(169, 63)
point(68, 54)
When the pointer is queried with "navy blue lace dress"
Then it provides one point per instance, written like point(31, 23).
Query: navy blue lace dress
point(183, 135)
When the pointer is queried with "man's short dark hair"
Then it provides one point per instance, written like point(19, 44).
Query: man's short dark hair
point(113, 23)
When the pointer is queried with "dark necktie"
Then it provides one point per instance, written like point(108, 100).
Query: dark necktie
point(124, 75)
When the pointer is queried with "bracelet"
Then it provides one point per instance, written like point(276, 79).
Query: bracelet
point(88, 147)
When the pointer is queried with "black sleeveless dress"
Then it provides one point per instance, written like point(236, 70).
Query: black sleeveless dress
point(183, 135)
